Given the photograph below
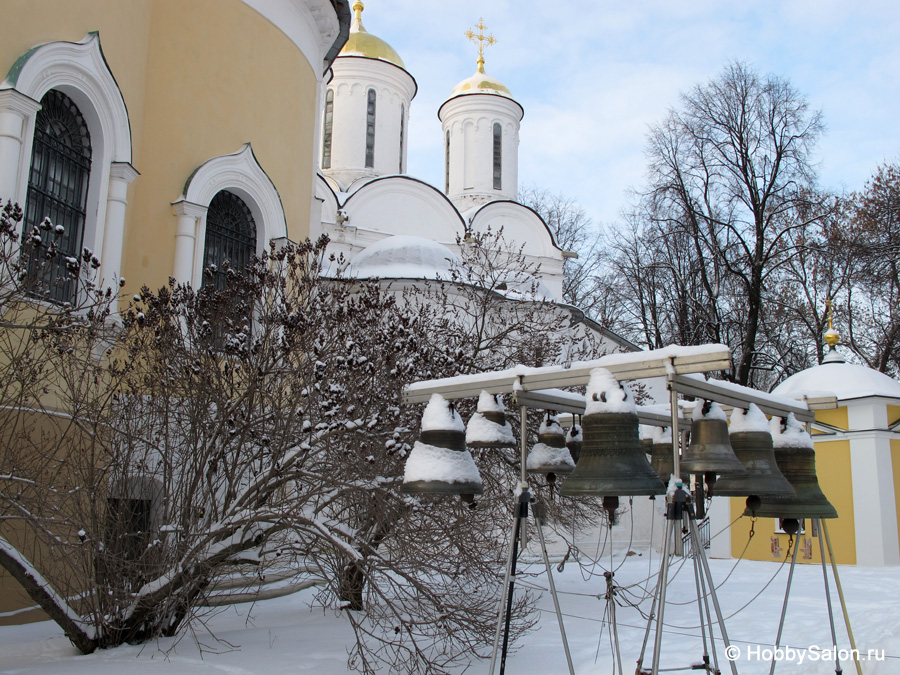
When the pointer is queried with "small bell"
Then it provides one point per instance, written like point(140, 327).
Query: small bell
point(574, 441)
point(796, 458)
point(710, 450)
point(550, 454)
point(488, 427)
point(439, 462)
point(661, 458)
point(752, 444)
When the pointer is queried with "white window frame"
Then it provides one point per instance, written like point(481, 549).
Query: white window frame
point(241, 174)
point(79, 70)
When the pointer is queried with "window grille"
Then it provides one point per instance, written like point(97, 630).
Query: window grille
point(230, 235)
point(58, 184)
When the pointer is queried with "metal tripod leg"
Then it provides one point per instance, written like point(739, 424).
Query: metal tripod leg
point(704, 563)
point(650, 618)
point(837, 582)
point(787, 592)
point(506, 593)
point(702, 603)
point(817, 526)
point(538, 517)
point(611, 604)
point(661, 605)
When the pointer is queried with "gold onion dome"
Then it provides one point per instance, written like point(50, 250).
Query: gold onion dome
point(361, 43)
point(481, 83)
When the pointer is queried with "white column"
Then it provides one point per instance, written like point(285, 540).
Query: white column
point(16, 110)
point(872, 480)
point(188, 215)
point(121, 174)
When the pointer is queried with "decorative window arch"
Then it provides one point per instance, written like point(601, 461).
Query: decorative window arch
point(80, 72)
point(241, 175)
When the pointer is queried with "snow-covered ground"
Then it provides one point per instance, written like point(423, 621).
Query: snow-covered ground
point(287, 636)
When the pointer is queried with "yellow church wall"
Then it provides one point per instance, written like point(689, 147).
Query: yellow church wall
point(833, 471)
point(199, 79)
point(837, 417)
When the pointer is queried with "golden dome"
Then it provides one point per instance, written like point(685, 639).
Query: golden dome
point(361, 43)
point(481, 83)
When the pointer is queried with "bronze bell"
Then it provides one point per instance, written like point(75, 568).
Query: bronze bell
point(575, 441)
point(550, 454)
point(488, 427)
point(438, 451)
point(613, 461)
point(661, 457)
point(710, 450)
point(761, 475)
point(796, 459)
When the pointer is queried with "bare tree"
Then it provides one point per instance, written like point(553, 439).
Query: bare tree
point(873, 307)
point(731, 182)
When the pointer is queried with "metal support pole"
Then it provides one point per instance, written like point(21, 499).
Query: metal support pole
point(787, 592)
point(501, 611)
point(701, 604)
point(673, 515)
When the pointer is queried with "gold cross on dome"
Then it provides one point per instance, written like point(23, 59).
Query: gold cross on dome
point(481, 39)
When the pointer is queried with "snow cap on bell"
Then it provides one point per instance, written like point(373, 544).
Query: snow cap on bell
point(605, 394)
point(488, 427)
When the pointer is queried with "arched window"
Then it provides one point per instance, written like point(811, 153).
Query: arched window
point(370, 130)
point(498, 148)
point(447, 164)
point(230, 235)
point(326, 132)
point(402, 122)
point(58, 182)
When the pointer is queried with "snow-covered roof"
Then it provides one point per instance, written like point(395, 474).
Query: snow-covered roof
point(845, 380)
point(404, 257)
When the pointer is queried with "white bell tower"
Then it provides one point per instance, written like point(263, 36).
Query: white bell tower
point(480, 123)
point(365, 122)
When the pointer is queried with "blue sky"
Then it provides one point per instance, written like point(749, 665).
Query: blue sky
point(592, 76)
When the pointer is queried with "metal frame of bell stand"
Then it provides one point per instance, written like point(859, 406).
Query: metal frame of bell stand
point(817, 527)
point(520, 519)
point(531, 383)
point(679, 509)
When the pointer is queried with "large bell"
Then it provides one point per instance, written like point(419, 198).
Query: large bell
point(796, 459)
point(488, 427)
point(550, 454)
point(613, 461)
point(661, 458)
point(710, 450)
point(751, 441)
point(439, 462)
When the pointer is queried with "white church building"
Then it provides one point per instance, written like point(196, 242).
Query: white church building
point(391, 225)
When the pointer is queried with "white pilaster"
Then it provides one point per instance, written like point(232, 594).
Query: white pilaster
point(121, 174)
point(17, 112)
point(188, 215)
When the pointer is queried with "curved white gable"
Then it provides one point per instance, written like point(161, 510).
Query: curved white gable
point(403, 205)
point(520, 224)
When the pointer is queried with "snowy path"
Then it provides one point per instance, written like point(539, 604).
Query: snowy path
point(285, 636)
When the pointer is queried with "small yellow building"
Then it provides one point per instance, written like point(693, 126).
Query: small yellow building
point(858, 466)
